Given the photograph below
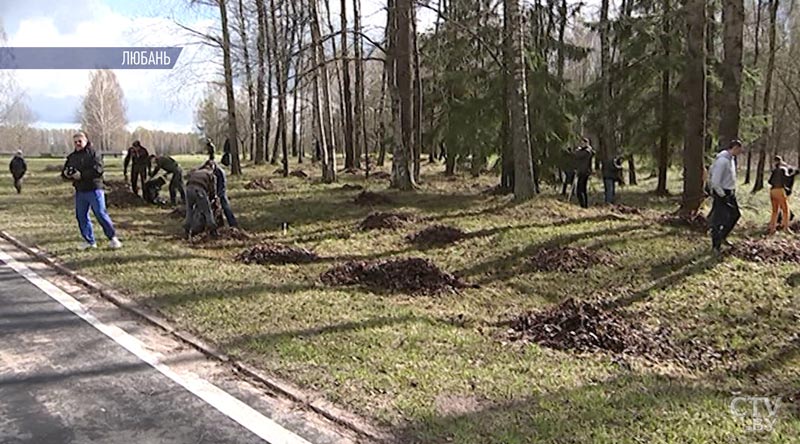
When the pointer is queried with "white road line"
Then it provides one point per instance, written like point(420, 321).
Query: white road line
point(246, 416)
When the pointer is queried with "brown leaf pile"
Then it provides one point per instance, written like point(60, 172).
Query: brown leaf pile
point(567, 259)
point(368, 198)
point(278, 254)
point(261, 183)
point(411, 276)
point(385, 221)
point(696, 222)
point(223, 234)
point(772, 250)
point(436, 236)
point(591, 327)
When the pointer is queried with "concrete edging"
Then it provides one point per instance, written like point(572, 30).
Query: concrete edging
point(316, 404)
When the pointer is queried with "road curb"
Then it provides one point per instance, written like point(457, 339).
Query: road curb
point(316, 403)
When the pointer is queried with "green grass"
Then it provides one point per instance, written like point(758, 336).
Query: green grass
point(434, 369)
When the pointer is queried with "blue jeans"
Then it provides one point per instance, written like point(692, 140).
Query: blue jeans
point(96, 200)
point(226, 208)
point(610, 187)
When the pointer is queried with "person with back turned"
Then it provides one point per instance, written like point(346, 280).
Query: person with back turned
point(18, 168)
point(201, 190)
point(583, 166)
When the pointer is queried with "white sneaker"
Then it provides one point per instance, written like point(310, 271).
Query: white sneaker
point(115, 244)
point(86, 246)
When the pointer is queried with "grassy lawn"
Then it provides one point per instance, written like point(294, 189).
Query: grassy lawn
point(435, 369)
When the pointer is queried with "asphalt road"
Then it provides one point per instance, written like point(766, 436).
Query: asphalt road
point(63, 381)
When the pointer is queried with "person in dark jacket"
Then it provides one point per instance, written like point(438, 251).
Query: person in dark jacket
point(568, 167)
point(210, 148)
point(612, 175)
point(84, 167)
point(583, 167)
point(201, 190)
point(222, 193)
point(18, 168)
point(170, 166)
point(151, 189)
point(226, 153)
point(138, 155)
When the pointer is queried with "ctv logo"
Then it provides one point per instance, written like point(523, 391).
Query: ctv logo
point(760, 413)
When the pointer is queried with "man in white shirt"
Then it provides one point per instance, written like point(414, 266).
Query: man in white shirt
point(722, 183)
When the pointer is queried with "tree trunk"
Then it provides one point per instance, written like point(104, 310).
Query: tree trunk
point(233, 135)
point(523, 163)
point(507, 168)
point(321, 101)
point(663, 148)
point(450, 163)
point(731, 71)
point(381, 108)
point(632, 171)
point(694, 102)
point(402, 175)
point(607, 148)
point(753, 110)
point(417, 137)
point(337, 127)
point(360, 134)
point(349, 148)
point(710, 93)
point(765, 132)
point(248, 78)
point(562, 26)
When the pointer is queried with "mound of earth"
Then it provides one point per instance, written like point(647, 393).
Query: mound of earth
point(385, 221)
point(567, 259)
point(349, 187)
point(118, 195)
point(624, 209)
point(298, 173)
point(591, 327)
point(696, 222)
point(380, 175)
point(261, 183)
point(437, 235)
point(223, 234)
point(370, 198)
point(772, 250)
point(278, 254)
point(412, 276)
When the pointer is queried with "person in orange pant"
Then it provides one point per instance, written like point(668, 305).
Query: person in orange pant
point(779, 180)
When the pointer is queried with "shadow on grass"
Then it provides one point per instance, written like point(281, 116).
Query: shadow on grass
point(669, 274)
point(78, 264)
point(508, 265)
point(271, 339)
point(630, 408)
point(241, 290)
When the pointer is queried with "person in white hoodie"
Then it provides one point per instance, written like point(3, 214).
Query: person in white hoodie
point(722, 184)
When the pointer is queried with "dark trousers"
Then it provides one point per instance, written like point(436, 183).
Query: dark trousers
point(138, 174)
point(582, 192)
point(226, 209)
point(724, 216)
point(569, 181)
point(18, 183)
point(176, 187)
point(198, 211)
point(610, 186)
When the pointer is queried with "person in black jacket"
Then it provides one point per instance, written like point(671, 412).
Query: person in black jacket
point(612, 175)
point(141, 165)
point(169, 165)
point(18, 168)
point(583, 166)
point(84, 167)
